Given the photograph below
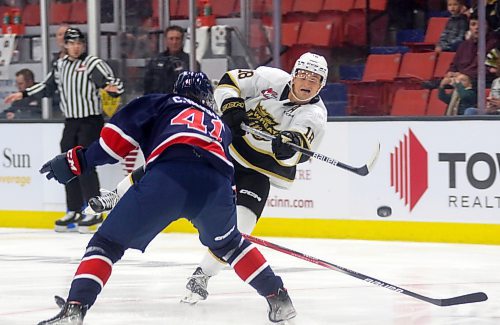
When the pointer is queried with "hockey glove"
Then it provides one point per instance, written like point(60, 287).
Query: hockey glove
point(281, 149)
point(233, 114)
point(66, 166)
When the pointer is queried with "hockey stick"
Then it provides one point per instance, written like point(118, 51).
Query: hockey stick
point(465, 299)
point(362, 171)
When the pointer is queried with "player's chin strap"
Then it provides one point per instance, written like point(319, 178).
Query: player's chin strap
point(362, 171)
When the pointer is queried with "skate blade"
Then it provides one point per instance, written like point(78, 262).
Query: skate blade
point(72, 227)
point(191, 299)
point(88, 229)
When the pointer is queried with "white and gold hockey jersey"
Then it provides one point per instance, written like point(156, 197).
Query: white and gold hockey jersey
point(265, 91)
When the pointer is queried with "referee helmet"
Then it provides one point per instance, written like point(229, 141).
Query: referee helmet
point(73, 34)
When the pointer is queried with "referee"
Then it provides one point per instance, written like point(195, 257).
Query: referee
point(77, 76)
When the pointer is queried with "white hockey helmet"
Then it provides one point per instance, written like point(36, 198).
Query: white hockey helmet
point(313, 63)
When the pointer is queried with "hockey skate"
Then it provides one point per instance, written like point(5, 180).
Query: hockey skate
point(90, 223)
point(71, 313)
point(280, 307)
point(196, 287)
point(103, 203)
point(68, 223)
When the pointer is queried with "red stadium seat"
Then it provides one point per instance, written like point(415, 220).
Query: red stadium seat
point(315, 33)
point(443, 64)
point(410, 102)
point(435, 27)
point(60, 12)
point(375, 5)
point(308, 6)
point(381, 67)
point(290, 33)
point(336, 5)
point(78, 12)
point(419, 66)
point(31, 15)
point(286, 6)
point(435, 107)
point(223, 8)
point(371, 95)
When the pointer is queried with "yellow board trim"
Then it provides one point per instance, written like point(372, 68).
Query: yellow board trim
point(441, 232)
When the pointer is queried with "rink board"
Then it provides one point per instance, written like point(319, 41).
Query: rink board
point(441, 180)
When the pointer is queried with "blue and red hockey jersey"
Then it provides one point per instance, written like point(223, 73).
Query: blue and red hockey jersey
point(155, 123)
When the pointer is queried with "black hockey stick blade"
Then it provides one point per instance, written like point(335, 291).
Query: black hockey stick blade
point(362, 171)
point(460, 300)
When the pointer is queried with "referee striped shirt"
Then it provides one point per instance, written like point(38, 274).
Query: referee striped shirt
point(78, 82)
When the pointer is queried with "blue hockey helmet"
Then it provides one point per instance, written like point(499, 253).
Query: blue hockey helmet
point(195, 86)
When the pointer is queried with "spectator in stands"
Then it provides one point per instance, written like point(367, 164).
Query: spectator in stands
point(491, 60)
point(162, 71)
point(464, 95)
point(455, 29)
point(26, 108)
point(465, 60)
point(493, 100)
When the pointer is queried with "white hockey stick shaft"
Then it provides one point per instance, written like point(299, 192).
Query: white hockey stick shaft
point(362, 171)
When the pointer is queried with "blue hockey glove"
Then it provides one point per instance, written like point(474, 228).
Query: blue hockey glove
point(233, 114)
point(66, 166)
point(281, 149)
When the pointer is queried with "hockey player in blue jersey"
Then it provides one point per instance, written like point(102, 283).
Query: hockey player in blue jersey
point(187, 174)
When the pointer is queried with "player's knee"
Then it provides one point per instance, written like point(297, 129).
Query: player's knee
point(225, 251)
point(98, 245)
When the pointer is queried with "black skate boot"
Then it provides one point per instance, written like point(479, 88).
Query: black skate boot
point(90, 223)
point(71, 313)
point(68, 223)
point(280, 306)
point(103, 203)
point(196, 287)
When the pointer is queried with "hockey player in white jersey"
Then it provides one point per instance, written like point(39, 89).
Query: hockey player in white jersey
point(284, 105)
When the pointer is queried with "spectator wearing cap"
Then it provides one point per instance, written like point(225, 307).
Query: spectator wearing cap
point(78, 77)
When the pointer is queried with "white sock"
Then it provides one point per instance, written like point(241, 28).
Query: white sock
point(124, 185)
point(246, 223)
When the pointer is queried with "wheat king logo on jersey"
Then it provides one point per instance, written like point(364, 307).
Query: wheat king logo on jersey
point(260, 119)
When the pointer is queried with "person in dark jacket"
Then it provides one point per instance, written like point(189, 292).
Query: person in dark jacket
point(455, 29)
point(162, 71)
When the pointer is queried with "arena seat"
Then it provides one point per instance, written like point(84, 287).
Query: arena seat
point(308, 6)
point(410, 102)
point(375, 5)
point(435, 27)
point(417, 66)
point(336, 5)
point(335, 12)
point(60, 12)
point(370, 96)
point(435, 107)
point(78, 12)
point(286, 7)
point(315, 33)
point(31, 15)
point(290, 33)
point(443, 64)
point(223, 8)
